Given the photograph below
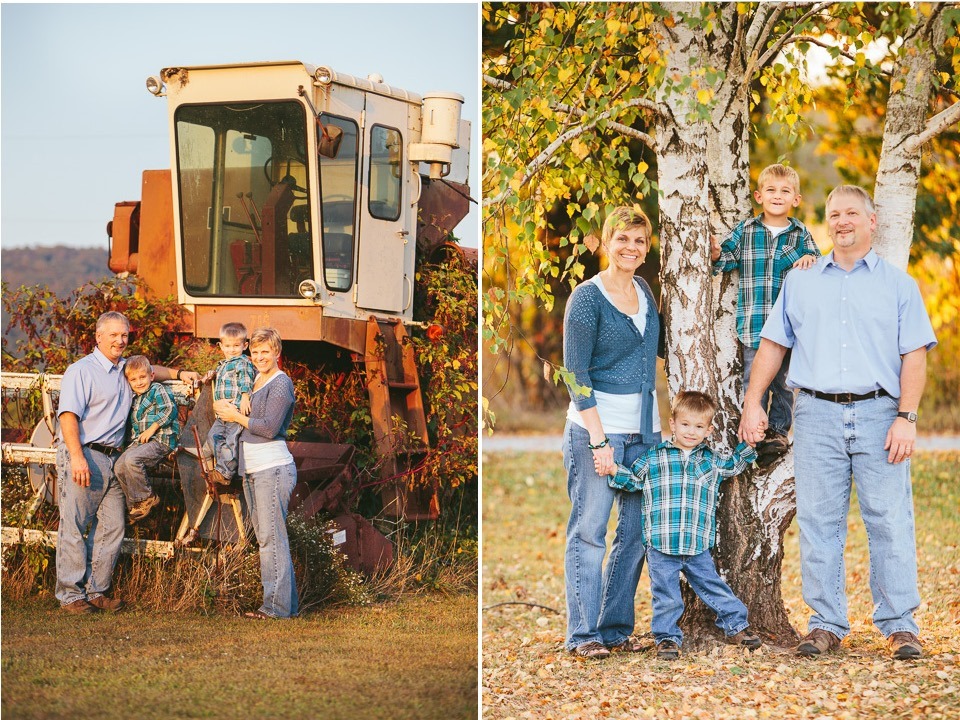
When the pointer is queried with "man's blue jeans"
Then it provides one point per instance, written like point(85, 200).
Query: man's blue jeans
point(701, 573)
point(834, 444)
point(600, 602)
point(778, 396)
point(85, 565)
point(267, 493)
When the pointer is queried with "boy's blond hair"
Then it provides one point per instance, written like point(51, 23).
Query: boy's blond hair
point(233, 331)
point(693, 402)
point(137, 362)
point(779, 171)
point(625, 218)
point(267, 336)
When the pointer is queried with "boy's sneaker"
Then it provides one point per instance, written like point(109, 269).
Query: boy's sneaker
point(817, 642)
point(102, 602)
point(773, 447)
point(906, 646)
point(139, 510)
point(668, 650)
point(591, 650)
point(745, 638)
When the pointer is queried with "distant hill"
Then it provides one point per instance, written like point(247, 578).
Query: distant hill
point(61, 268)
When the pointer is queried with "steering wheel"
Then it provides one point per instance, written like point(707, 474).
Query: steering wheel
point(291, 182)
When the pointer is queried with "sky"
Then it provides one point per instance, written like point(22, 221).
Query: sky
point(78, 127)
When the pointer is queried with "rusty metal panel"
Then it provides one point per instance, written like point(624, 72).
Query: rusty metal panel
point(155, 257)
point(124, 229)
point(293, 323)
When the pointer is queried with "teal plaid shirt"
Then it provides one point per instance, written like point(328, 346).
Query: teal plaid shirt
point(156, 405)
point(763, 264)
point(679, 498)
point(234, 377)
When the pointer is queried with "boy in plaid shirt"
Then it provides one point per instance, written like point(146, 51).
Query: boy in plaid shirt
point(679, 480)
point(234, 382)
point(154, 429)
point(764, 248)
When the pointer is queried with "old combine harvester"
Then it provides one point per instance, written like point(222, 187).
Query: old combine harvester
point(299, 198)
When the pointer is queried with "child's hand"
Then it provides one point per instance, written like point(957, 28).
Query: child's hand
point(245, 404)
point(714, 248)
point(807, 261)
point(144, 437)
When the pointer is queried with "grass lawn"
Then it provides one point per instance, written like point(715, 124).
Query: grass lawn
point(416, 658)
point(527, 673)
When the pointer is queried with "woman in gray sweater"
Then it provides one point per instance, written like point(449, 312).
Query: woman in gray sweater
point(611, 331)
point(268, 470)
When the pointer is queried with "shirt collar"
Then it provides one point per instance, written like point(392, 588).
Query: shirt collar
point(758, 220)
point(702, 446)
point(105, 362)
point(871, 259)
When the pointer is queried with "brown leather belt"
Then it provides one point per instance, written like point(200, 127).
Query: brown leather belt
point(846, 398)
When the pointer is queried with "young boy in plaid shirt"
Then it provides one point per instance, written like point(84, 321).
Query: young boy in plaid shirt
point(679, 480)
point(234, 382)
point(764, 248)
point(154, 429)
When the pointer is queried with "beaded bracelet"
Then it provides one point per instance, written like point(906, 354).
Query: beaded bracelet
point(606, 441)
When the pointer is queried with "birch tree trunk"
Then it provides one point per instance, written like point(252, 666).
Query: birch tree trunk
point(895, 192)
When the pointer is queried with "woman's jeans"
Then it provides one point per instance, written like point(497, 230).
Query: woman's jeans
point(267, 493)
point(702, 576)
point(600, 601)
point(832, 443)
point(777, 395)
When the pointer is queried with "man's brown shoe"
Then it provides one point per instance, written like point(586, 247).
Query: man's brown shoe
point(102, 602)
point(817, 642)
point(745, 638)
point(78, 607)
point(906, 646)
point(591, 650)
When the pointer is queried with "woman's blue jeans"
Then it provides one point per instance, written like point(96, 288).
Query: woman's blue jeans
point(267, 493)
point(600, 602)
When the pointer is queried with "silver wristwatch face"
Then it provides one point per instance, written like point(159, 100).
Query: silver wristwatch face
point(909, 416)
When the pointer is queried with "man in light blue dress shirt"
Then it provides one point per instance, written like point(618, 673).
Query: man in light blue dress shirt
point(95, 400)
point(859, 335)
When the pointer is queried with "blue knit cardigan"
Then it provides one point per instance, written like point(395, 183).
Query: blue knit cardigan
point(605, 351)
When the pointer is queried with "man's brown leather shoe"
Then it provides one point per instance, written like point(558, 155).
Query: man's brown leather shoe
point(102, 602)
point(817, 642)
point(906, 646)
point(79, 607)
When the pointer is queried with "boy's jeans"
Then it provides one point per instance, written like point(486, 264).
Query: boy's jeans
point(702, 575)
point(778, 395)
point(832, 443)
point(600, 601)
point(224, 439)
point(131, 469)
point(267, 493)
point(85, 565)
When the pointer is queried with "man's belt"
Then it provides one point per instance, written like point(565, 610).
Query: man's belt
point(846, 398)
point(108, 450)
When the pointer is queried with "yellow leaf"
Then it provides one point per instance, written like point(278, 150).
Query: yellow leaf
point(613, 26)
point(564, 74)
point(792, 119)
point(704, 96)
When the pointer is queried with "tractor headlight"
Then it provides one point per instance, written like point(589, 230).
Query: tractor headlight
point(309, 290)
point(155, 86)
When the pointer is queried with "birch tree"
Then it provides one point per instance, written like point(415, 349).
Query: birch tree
point(574, 95)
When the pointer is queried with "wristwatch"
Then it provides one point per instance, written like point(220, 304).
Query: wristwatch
point(908, 416)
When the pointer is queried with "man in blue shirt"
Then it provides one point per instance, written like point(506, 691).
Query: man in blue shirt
point(859, 335)
point(94, 405)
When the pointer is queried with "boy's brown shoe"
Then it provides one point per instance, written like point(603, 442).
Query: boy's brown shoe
point(102, 602)
point(745, 638)
point(906, 646)
point(139, 510)
point(218, 477)
point(817, 642)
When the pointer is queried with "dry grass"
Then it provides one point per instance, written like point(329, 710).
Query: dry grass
point(413, 659)
point(527, 673)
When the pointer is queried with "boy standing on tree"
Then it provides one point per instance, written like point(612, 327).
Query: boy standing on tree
point(154, 429)
point(679, 480)
point(764, 248)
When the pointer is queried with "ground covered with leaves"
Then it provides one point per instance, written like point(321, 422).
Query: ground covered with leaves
point(528, 674)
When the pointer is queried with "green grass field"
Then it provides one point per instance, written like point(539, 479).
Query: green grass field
point(416, 658)
point(527, 673)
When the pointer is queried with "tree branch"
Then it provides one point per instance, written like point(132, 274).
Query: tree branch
point(935, 125)
point(644, 103)
point(777, 46)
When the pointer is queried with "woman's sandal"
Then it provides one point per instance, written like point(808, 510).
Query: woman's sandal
point(258, 615)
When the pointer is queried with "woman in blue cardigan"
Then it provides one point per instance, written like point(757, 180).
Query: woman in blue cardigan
point(610, 339)
point(268, 470)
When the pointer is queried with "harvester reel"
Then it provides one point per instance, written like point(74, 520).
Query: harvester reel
point(43, 477)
